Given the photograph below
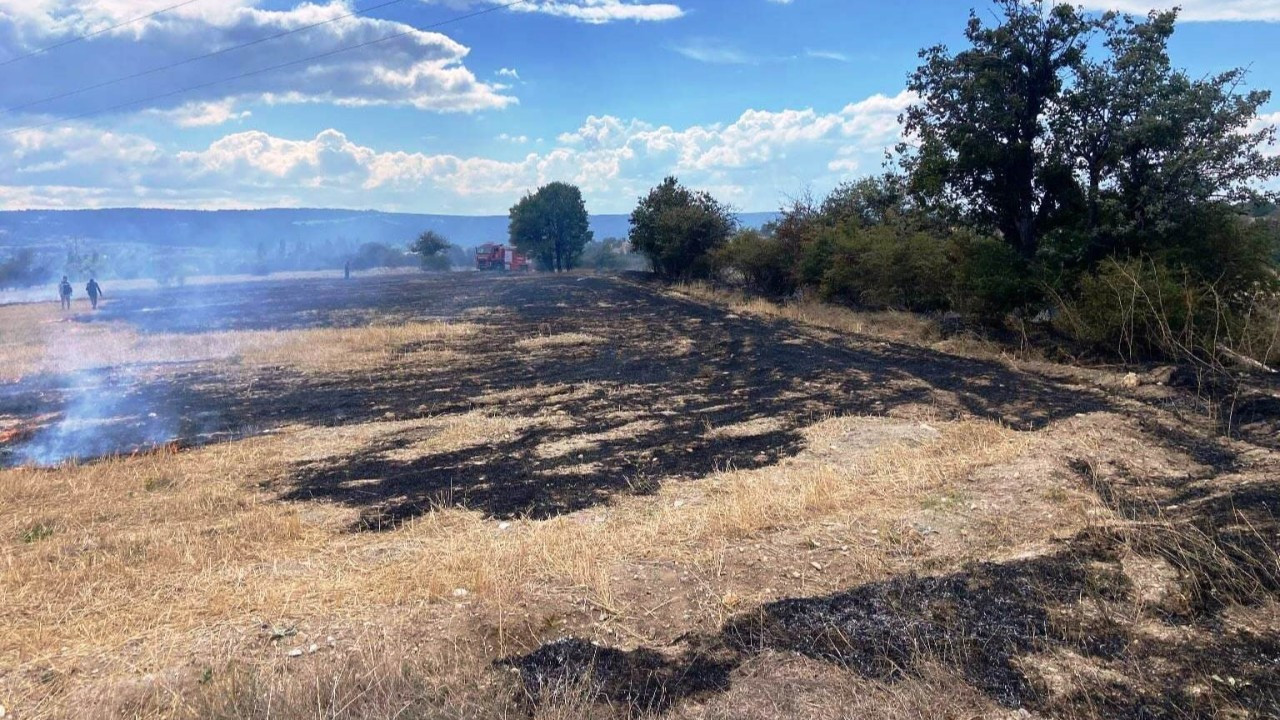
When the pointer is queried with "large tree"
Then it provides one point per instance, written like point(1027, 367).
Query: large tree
point(551, 225)
point(677, 228)
point(1055, 122)
point(981, 123)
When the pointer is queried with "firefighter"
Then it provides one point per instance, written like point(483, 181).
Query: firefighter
point(64, 293)
point(95, 291)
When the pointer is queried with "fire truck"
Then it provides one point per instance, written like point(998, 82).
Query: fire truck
point(493, 256)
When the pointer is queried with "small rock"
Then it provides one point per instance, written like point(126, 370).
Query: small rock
point(296, 652)
point(816, 566)
point(1131, 381)
point(678, 503)
point(460, 592)
point(504, 525)
point(3, 712)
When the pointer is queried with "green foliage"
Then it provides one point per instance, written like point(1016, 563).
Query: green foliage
point(1025, 134)
point(678, 229)
point(36, 533)
point(1140, 308)
point(885, 266)
point(551, 226)
point(433, 248)
point(992, 280)
point(758, 261)
point(869, 201)
point(980, 122)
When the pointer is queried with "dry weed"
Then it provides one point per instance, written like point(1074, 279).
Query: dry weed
point(561, 340)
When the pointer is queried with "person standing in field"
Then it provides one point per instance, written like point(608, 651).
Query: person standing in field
point(346, 271)
point(64, 293)
point(95, 291)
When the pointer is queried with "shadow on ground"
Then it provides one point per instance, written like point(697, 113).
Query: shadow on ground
point(1012, 630)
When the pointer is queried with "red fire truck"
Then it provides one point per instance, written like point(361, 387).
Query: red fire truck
point(493, 256)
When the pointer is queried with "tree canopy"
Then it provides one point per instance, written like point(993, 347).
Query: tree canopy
point(433, 248)
point(551, 226)
point(678, 228)
point(1061, 128)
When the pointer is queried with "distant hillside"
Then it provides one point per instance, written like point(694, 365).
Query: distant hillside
point(247, 229)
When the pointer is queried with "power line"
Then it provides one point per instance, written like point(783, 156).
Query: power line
point(265, 70)
point(95, 33)
point(197, 58)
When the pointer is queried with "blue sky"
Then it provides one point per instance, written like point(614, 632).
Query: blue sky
point(755, 100)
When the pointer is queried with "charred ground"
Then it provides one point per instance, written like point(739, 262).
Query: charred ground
point(657, 373)
point(568, 398)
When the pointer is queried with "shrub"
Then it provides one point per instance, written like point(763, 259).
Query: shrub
point(1142, 308)
point(992, 279)
point(884, 267)
point(758, 261)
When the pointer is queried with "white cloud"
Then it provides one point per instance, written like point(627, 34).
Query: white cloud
point(508, 73)
point(598, 12)
point(204, 114)
point(1198, 10)
point(753, 161)
point(713, 51)
point(1262, 122)
point(827, 55)
point(419, 69)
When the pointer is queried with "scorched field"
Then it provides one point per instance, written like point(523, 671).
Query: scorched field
point(465, 495)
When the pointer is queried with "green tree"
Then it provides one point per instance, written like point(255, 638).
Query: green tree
point(981, 123)
point(433, 248)
point(678, 228)
point(1082, 155)
point(551, 225)
point(1154, 148)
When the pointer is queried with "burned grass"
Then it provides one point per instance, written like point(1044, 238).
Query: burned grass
point(741, 372)
point(727, 510)
point(1054, 633)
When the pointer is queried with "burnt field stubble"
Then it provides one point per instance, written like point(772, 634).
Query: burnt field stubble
point(672, 368)
point(657, 378)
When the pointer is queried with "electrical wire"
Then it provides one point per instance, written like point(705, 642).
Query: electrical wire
point(95, 33)
point(197, 58)
point(262, 71)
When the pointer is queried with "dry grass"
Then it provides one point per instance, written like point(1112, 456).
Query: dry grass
point(893, 325)
point(38, 338)
point(146, 559)
point(561, 340)
point(900, 326)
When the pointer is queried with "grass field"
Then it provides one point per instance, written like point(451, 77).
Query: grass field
point(568, 497)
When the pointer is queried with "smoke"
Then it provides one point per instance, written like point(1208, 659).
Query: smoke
point(102, 414)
